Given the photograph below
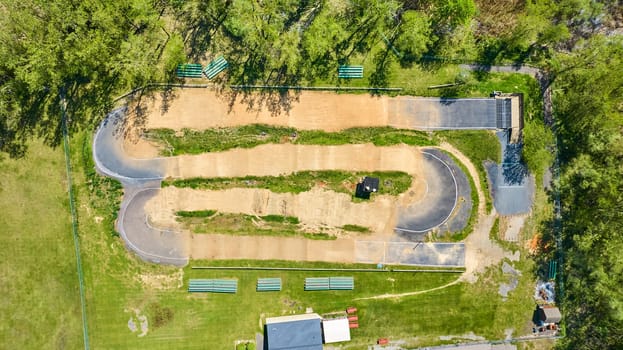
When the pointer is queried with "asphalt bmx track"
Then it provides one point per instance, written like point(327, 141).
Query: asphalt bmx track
point(141, 179)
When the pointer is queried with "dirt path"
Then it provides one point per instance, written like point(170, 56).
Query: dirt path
point(217, 246)
point(406, 294)
point(280, 159)
point(203, 108)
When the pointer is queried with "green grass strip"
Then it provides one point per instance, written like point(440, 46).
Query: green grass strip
point(195, 214)
point(391, 182)
point(247, 225)
point(249, 136)
point(355, 228)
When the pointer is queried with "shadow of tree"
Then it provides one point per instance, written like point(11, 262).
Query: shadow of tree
point(381, 75)
point(513, 169)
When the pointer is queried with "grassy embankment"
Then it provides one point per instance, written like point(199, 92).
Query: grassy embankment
point(478, 146)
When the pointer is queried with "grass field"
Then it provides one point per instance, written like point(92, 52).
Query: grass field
point(40, 303)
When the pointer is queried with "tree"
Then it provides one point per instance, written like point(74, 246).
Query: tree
point(86, 51)
point(414, 36)
point(449, 14)
point(589, 110)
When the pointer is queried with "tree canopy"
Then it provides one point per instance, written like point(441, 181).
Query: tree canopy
point(589, 108)
point(83, 50)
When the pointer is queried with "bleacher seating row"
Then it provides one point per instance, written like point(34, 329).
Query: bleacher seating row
point(347, 72)
point(329, 283)
point(341, 283)
point(268, 284)
point(213, 285)
point(317, 283)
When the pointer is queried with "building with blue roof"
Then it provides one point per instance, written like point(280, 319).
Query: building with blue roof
point(296, 332)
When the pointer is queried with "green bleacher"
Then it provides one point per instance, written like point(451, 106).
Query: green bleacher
point(215, 67)
point(341, 283)
point(348, 72)
point(268, 284)
point(213, 286)
point(317, 283)
point(329, 283)
point(190, 70)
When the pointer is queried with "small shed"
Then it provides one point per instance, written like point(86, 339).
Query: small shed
point(366, 186)
point(336, 330)
point(550, 314)
point(371, 184)
point(296, 332)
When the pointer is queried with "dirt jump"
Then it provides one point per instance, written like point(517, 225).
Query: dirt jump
point(147, 217)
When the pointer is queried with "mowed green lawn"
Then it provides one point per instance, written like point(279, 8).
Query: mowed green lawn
point(39, 296)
